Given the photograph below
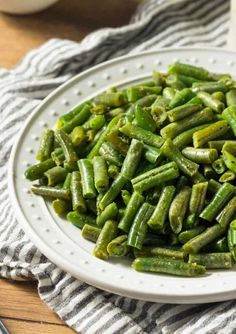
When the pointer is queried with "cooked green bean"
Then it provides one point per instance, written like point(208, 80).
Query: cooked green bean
point(232, 238)
point(117, 142)
point(72, 113)
point(46, 145)
point(144, 119)
point(185, 138)
point(58, 156)
point(51, 192)
point(132, 159)
point(219, 166)
point(159, 251)
point(187, 235)
point(110, 212)
point(125, 194)
point(175, 81)
point(178, 209)
point(110, 99)
point(113, 171)
point(215, 130)
point(80, 219)
point(219, 96)
point(113, 191)
point(152, 154)
point(66, 145)
point(107, 234)
point(101, 179)
point(158, 110)
point(183, 111)
point(87, 178)
point(227, 214)
point(209, 172)
point(97, 122)
point(218, 144)
point(189, 70)
point(37, 171)
point(200, 155)
point(194, 245)
point(211, 102)
point(227, 176)
point(55, 175)
point(78, 136)
point(187, 166)
point(159, 216)
point(181, 97)
point(168, 266)
point(220, 245)
point(90, 232)
point(118, 246)
point(139, 227)
point(61, 206)
point(210, 87)
point(231, 97)
point(78, 119)
point(174, 129)
point(169, 93)
point(78, 202)
point(149, 138)
point(212, 260)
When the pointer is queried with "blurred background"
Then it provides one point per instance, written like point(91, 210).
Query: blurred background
point(71, 19)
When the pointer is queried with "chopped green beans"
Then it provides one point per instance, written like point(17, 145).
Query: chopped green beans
point(149, 171)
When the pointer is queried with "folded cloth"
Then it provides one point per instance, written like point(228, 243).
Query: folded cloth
point(157, 23)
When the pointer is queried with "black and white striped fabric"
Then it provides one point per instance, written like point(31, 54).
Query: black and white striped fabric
point(157, 23)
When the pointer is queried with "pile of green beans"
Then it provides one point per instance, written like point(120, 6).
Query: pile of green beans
point(149, 172)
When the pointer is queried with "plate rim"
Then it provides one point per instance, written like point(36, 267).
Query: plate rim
point(50, 253)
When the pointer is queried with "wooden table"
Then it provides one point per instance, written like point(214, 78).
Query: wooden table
point(20, 306)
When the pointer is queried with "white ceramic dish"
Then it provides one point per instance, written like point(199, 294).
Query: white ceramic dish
point(59, 240)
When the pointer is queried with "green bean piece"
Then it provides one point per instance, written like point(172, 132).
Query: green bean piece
point(212, 260)
point(55, 175)
point(101, 178)
point(113, 171)
point(99, 109)
point(36, 172)
point(181, 97)
point(152, 154)
point(178, 209)
point(134, 204)
point(110, 154)
point(157, 179)
point(213, 186)
point(107, 234)
point(219, 96)
point(139, 227)
point(198, 177)
point(113, 191)
point(133, 94)
point(92, 205)
point(189, 70)
point(187, 235)
point(132, 159)
point(146, 101)
point(87, 178)
point(217, 246)
point(197, 201)
point(118, 246)
point(215, 130)
point(175, 81)
point(219, 166)
point(110, 212)
point(77, 136)
point(209, 172)
point(229, 114)
point(194, 245)
point(77, 120)
point(78, 202)
point(231, 97)
point(72, 113)
point(149, 138)
point(51, 192)
point(103, 136)
point(229, 159)
point(58, 156)
point(228, 176)
point(158, 78)
point(118, 142)
point(114, 112)
point(97, 122)
point(90, 232)
point(200, 155)
point(185, 138)
point(187, 166)
point(46, 145)
point(154, 240)
point(125, 194)
point(210, 87)
point(218, 144)
point(60, 206)
point(211, 102)
point(195, 100)
point(227, 214)
point(160, 214)
point(159, 252)
point(174, 129)
point(183, 111)
point(158, 110)
point(169, 93)
point(168, 266)
point(144, 119)
point(181, 182)
point(231, 237)
point(222, 196)
point(66, 145)
point(67, 182)
point(110, 99)
point(80, 219)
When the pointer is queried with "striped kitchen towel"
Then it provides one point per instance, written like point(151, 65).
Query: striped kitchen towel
point(157, 23)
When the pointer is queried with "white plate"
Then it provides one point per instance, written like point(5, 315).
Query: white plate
point(59, 240)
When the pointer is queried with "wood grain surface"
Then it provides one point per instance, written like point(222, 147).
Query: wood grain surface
point(21, 309)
